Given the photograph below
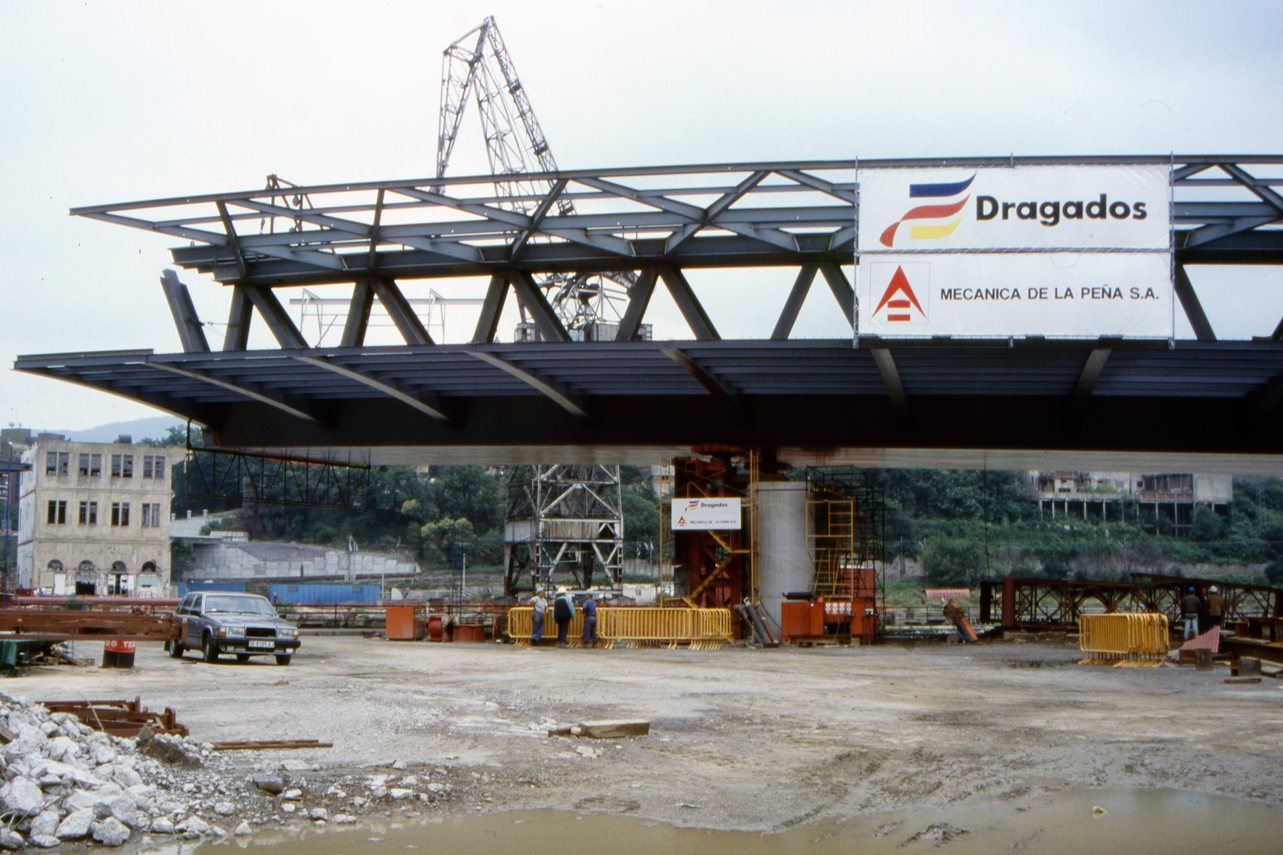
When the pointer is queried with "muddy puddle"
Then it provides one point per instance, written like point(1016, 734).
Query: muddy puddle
point(1097, 822)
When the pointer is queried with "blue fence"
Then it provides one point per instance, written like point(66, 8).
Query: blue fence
point(323, 594)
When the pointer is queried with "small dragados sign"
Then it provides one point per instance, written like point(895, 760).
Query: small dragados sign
point(706, 514)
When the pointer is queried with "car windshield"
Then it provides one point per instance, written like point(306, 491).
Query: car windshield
point(239, 605)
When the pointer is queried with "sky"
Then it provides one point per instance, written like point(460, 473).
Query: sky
point(117, 101)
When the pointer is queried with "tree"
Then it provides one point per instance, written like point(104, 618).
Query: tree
point(1274, 571)
point(953, 561)
point(1206, 525)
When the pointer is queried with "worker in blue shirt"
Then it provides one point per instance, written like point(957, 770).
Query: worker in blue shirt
point(590, 621)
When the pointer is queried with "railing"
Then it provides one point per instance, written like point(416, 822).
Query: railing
point(1124, 639)
point(697, 628)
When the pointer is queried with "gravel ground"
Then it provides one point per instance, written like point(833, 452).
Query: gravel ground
point(740, 738)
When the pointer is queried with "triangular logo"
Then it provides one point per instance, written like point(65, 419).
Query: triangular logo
point(898, 299)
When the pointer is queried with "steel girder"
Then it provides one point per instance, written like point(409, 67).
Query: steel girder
point(718, 215)
point(1031, 603)
point(626, 223)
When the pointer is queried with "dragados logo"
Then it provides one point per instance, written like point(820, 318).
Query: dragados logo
point(940, 211)
point(898, 299)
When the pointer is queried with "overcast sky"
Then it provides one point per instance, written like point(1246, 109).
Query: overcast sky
point(117, 101)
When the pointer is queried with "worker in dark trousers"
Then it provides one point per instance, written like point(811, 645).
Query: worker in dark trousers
point(563, 612)
point(589, 606)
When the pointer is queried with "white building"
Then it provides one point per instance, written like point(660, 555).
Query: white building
point(94, 517)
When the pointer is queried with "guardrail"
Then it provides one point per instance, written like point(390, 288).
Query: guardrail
point(701, 629)
point(1124, 639)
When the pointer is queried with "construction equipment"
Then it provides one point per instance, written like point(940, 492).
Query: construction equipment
point(477, 64)
point(560, 517)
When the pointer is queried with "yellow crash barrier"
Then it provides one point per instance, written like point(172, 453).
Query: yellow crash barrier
point(698, 628)
point(1124, 639)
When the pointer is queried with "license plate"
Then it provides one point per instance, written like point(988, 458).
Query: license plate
point(261, 645)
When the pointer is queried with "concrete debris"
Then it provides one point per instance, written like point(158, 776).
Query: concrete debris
point(269, 783)
point(111, 832)
point(63, 782)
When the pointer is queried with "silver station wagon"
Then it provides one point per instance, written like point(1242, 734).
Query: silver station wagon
point(217, 622)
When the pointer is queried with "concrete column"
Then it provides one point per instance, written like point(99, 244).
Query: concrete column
point(784, 563)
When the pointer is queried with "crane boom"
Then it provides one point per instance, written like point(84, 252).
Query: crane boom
point(477, 66)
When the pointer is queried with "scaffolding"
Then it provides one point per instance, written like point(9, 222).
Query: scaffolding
point(846, 517)
point(564, 520)
point(718, 567)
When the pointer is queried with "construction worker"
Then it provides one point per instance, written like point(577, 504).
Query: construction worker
point(589, 607)
point(1215, 607)
point(1190, 605)
point(563, 611)
point(538, 607)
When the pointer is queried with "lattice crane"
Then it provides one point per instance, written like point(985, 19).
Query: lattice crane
point(560, 518)
point(477, 66)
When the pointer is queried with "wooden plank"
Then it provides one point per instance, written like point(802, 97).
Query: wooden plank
point(268, 744)
point(604, 729)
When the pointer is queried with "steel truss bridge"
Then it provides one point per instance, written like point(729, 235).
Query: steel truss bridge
point(1033, 603)
point(1029, 402)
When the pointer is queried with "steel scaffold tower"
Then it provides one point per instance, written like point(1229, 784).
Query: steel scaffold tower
point(560, 517)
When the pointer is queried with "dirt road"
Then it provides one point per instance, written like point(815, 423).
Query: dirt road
point(751, 739)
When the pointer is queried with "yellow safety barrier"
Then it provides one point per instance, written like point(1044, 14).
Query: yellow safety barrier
point(1124, 639)
point(701, 629)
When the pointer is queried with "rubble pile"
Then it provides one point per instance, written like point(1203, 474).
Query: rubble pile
point(63, 781)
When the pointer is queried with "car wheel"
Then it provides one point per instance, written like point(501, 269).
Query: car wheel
point(242, 657)
point(210, 649)
point(282, 660)
point(175, 650)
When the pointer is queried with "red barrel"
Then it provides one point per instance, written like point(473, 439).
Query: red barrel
point(118, 654)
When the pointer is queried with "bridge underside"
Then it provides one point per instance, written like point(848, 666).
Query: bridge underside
point(1202, 406)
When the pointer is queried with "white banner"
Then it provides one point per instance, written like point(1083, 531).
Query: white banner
point(1073, 250)
point(704, 514)
point(992, 294)
point(1020, 207)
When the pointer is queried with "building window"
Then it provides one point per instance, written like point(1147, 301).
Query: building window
point(120, 514)
point(151, 515)
point(90, 465)
point(89, 513)
point(153, 466)
point(122, 466)
point(57, 512)
point(57, 462)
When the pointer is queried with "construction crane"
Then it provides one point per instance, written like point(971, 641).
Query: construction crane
point(561, 519)
point(477, 66)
